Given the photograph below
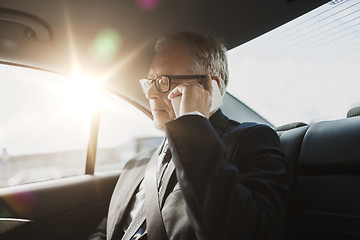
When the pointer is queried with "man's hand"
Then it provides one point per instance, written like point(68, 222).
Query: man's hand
point(194, 96)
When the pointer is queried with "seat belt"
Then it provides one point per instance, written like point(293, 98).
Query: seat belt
point(154, 222)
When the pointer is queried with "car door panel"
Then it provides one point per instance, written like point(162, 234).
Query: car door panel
point(61, 209)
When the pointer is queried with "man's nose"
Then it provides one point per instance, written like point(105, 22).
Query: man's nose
point(152, 92)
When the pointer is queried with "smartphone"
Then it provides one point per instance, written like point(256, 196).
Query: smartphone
point(217, 100)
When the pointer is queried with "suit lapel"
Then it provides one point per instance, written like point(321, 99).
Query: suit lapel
point(127, 184)
point(166, 180)
point(129, 180)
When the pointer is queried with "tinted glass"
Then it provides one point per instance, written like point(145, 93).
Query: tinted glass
point(44, 126)
point(124, 131)
point(305, 70)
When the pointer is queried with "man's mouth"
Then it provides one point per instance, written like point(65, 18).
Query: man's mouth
point(158, 110)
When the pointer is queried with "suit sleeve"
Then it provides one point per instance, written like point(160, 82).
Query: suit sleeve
point(236, 190)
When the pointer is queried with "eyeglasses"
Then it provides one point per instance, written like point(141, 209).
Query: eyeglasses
point(163, 82)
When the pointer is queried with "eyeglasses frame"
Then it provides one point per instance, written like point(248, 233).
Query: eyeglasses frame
point(171, 77)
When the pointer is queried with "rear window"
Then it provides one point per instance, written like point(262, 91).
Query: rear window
point(306, 70)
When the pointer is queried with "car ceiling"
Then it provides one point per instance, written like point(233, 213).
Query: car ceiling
point(73, 25)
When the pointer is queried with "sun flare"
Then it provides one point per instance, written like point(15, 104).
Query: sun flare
point(81, 96)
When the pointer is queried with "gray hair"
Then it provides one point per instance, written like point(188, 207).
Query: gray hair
point(207, 54)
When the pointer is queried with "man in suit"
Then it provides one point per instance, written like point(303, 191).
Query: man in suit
point(225, 180)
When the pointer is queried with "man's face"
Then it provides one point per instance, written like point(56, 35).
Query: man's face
point(171, 60)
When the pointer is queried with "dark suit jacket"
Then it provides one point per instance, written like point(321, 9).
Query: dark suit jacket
point(230, 181)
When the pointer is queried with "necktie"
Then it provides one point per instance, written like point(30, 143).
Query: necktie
point(138, 224)
point(163, 165)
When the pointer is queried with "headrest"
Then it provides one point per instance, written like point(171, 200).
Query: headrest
point(290, 126)
point(355, 111)
point(331, 147)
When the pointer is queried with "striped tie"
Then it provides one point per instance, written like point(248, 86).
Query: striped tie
point(138, 225)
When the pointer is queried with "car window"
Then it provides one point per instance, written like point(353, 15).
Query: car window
point(44, 126)
point(123, 132)
point(305, 70)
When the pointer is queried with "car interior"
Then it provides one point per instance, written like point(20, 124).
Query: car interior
point(57, 37)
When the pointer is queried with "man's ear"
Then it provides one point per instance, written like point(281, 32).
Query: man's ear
point(217, 79)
